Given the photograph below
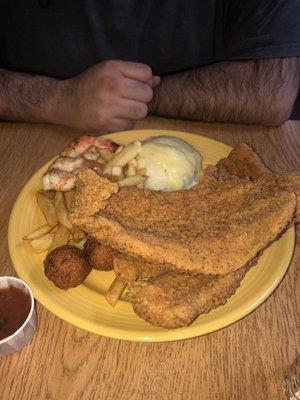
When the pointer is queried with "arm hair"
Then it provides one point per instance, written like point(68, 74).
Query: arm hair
point(251, 92)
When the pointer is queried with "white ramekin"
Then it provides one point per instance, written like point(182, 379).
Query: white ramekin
point(22, 335)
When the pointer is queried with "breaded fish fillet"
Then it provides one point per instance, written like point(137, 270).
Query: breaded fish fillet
point(243, 162)
point(173, 300)
point(169, 299)
point(209, 229)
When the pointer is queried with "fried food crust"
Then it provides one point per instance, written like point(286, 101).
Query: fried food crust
point(173, 300)
point(66, 266)
point(100, 256)
point(243, 162)
point(209, 229)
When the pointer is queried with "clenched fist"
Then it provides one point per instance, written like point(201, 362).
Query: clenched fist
point(107, 97)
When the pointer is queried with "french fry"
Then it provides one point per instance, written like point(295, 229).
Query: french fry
point(105, 154)
point(42, 243)
point(80, 244)
point(128, 153)
point(120, 148)
point(101, 161)
point(47, 207)
point(131, 171)
point(49, 193)
point(114, 292)
point(60, 237)
point(61, 210)
point(38, 232)
point(112, 178)
point(132, 180)
point(141, 171)
point(69, 198)
point(133, 162)
point(117, 172)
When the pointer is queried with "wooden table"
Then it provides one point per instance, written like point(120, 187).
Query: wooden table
point(246, 360)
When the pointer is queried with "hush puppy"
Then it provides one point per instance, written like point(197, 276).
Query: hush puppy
point(100, 256)
point(67, 266)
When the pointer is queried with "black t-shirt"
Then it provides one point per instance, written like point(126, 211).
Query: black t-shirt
point(62, 38)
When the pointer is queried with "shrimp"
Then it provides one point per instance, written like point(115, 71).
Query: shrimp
point(91, 155)
point(94, 165)
point(62, 174)
point(81, 145)
point(67, 164)
point(59, 180)
point(81, 153)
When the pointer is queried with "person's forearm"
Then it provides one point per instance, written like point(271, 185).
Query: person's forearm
point(251, 92)
point(107, 97)
point(28, 98)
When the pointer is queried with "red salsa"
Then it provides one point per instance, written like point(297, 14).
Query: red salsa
point(14, 308)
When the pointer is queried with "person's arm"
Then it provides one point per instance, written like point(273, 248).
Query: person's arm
point(110, 96)
point(26, 97)
point(250, 92)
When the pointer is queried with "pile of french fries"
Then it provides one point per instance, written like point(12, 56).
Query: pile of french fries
point(122, 167)
point(58, 230)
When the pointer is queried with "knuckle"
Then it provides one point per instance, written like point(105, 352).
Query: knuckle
point(148, 93)
point(141, 111)
point(142, 91)
point(109, 64)
point(147, 70)
point(109, 84)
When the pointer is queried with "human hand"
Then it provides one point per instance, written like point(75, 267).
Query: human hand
point(107, 97)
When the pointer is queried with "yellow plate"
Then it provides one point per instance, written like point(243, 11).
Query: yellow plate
point(86, 307)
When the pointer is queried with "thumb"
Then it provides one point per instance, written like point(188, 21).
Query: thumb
point(154, 81)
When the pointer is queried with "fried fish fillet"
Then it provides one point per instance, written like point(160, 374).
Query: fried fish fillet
point(209, 229)
point(173, 300)
point(243, 162)
point(169, 299)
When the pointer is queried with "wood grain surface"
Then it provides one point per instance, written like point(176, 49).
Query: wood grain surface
point(244, 361)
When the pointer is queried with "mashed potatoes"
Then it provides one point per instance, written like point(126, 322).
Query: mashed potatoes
point(171, 163)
